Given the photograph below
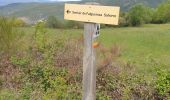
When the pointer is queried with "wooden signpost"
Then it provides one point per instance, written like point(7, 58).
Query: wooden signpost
point(91, 15)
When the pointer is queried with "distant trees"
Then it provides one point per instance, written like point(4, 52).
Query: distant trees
point(73, 24)
point(139, 14)
point(162, 13)
point(53, 22)
point(123, 19)
point(136, 16)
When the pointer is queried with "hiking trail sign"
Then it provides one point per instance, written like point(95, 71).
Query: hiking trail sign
point(92, 13)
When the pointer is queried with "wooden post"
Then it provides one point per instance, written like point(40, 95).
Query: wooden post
point(84, 13)
point(89, 68)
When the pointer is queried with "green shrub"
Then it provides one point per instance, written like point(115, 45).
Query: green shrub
point(139, 14)
point(73, 24)
point(9, 36)
point(123, 20)
point(59, 90)
point(7, 94)
point(162, 13)
point(163, 82)
point(40, 36)
point(19, 22)
point(19, 61)
point(53, 22)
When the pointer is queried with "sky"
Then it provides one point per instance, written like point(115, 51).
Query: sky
point(5, 2)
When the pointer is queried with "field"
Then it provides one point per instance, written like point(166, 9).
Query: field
point(139, 55)
point(137, 44)
point(140, 44)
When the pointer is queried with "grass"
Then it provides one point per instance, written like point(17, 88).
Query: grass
point(138, 44)
point(53, 69)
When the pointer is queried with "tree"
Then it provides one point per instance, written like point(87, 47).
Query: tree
point(53, 22)
point(123, 19)
point(139, 14)
point(162, 13)
point(73, 24)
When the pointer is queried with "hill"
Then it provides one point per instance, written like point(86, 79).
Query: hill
point(126, 4)
point(31, 12)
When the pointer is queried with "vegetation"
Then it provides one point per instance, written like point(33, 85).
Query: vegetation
point(18, 22)
point(141, 14)
point(45, 63)
point(53, 22)
point(162, 13)
point(131, 64)
point(8, 35)
point(137, 15)
point(35, 11)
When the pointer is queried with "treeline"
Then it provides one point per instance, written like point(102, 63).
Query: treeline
point(142, 14)
point(136, 16)
point(54, 22)
point(139, 14)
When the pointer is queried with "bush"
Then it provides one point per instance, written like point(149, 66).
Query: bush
point(139, 15)
point(9, 36)
point(19, 22)
point(7, 94)
point(53, 22)
point(73, 24)
point(163, 82)
point(40, 36)
point(123, 20)
point(162, 13)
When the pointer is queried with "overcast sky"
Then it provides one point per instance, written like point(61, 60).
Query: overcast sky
point(4, 2)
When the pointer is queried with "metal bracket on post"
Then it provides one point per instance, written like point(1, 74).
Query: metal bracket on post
point(97, 31)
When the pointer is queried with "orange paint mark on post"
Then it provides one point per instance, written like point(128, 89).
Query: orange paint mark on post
point(96, 45)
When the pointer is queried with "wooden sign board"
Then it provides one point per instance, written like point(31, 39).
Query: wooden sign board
point(92, 13)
